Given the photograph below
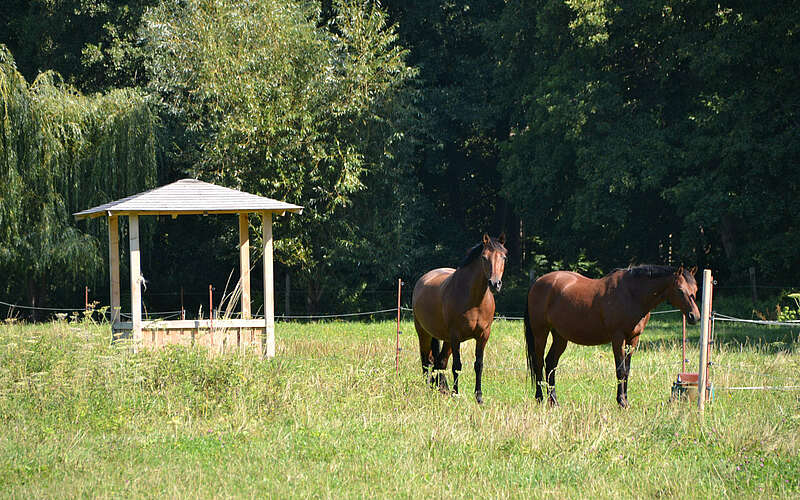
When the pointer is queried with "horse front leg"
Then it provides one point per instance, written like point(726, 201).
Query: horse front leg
point(618, 346)
point(440, 365)
point(480, 345)
point(456, 346)
point(629, 348)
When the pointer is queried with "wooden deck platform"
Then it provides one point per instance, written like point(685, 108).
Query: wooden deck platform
point(218, 336)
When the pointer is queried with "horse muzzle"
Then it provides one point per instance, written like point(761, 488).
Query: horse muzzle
point(495, 286)
point(692, 318)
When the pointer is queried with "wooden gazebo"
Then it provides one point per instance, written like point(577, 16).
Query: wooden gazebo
point(184, 197)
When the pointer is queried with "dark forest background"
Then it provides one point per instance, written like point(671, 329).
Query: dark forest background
point(594, 133)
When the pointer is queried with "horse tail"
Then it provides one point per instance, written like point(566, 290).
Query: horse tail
point(529, 343)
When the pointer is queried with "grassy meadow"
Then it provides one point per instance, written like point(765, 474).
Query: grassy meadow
point(330, 418)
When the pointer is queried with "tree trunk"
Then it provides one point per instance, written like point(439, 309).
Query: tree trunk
point(313, 295)
point(33, 297)
point(726, 232)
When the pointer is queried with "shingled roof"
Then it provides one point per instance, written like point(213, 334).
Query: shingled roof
point(189, 196)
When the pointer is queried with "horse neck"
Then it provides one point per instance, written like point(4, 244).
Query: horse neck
point(650, 291)
point(471, 276)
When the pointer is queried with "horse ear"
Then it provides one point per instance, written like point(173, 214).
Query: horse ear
point(693, 270)
point(502, 238)
point(486, 239)
point(679, 272)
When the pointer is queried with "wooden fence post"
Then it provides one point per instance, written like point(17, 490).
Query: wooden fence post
point(705, 315)
point(397, 347)
point(286, 296)
point(753, 285)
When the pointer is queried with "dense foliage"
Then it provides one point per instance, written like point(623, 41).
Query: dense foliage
point(596, 133)
point(656, 131)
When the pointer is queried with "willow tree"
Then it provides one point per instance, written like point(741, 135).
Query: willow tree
point(60, 152)
point(276, 101)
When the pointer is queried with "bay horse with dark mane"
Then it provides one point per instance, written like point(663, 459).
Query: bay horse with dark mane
point(455, 305)
point(585, 311)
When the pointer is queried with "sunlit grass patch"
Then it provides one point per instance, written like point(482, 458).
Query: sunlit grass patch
point(331, 416)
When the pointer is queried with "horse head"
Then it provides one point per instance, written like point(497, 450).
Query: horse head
point(683, 293)
point(493, 260)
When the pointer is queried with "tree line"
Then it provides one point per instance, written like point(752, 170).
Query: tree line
point(595, 134)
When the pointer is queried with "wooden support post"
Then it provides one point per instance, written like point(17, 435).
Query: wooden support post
point(244, 263)
point(269, 302)
point(113, 266)
point(136, 280)
point(705, 314)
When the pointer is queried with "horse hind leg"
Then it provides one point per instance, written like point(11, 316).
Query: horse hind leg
point(551, 363)
point(440, 365)
point(535, 341)
point(426, 351)
point(536, 361)
point(436, 352)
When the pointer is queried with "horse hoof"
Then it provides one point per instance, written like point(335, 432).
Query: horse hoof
point(623, 404)
point(479, 398)
point(553, 402)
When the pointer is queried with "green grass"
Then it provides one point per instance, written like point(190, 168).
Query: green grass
point(329, 417)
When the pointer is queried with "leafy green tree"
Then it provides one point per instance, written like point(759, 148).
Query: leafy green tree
point(93, 44)
point(741, 150)
point(653, 132)
point(273, 104)
point(61, 152)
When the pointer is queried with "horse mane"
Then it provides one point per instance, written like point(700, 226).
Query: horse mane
point(475, 251)
point(656, 271)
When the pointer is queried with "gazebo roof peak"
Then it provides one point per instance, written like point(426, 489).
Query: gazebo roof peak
point(189, 196)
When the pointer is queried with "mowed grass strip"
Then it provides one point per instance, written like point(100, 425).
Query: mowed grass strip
point(330, 417)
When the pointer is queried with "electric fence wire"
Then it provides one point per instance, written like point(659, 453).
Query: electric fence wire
point(36, 308)
point(731, 319)
point(715, 316)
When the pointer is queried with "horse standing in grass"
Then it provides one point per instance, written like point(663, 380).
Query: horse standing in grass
point(587, 311)
point(454, 305)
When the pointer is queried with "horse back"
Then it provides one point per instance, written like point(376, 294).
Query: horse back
point(426, 301)
point(571, 304)
point(441, 303)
